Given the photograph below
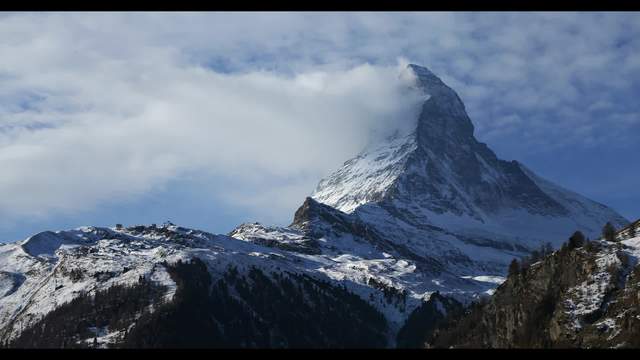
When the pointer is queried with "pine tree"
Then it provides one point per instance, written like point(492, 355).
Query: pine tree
point(632, 230)
point(514, 267)
point(609, 232)
point(547, 249)
point(576, 240)
point(535, 256)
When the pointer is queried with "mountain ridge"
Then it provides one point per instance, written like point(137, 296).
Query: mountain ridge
point(584, 295)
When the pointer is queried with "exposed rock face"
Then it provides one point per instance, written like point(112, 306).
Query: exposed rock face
point(584, 297)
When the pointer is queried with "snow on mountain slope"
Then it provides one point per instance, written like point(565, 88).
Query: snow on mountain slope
point(37, 277)
point(589, 216)
point(359, 253)
point(366, 178)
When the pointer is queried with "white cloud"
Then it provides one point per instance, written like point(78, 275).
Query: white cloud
point(117, 124)
point(97, 107)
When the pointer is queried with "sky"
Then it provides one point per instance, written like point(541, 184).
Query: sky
point(213, 119)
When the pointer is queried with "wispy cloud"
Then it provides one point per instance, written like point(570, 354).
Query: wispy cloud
point(88, 123)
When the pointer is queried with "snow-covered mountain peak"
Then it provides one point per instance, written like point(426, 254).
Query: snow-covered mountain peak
point(443, 113)
point(440, 152)
point(441, 176)
point(428, 82)
point(442, 132)
point(367, 177)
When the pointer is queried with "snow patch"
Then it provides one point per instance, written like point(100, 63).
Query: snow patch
point(493, 279)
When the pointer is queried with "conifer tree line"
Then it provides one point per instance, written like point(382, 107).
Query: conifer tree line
point(576, 240)
point(516, 267)
point(609, 232)
point(246, 308)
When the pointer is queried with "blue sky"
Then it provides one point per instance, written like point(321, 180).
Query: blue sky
point(213, 119)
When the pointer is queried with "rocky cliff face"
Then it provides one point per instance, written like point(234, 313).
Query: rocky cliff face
point(587, 297)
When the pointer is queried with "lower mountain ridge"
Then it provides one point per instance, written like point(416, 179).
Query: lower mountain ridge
point(169, 286)
point(581, 296)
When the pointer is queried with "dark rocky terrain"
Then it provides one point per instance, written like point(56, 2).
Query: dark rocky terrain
point(583, 297)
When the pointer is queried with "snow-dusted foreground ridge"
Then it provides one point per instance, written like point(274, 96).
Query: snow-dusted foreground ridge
point(425, 211)
point(52, 268)
point(585, 296)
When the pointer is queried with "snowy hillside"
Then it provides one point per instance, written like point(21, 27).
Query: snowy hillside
point(49, 269)
point(367, 177)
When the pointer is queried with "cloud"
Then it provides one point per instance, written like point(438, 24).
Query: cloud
point(120, 124)
point(99, 107)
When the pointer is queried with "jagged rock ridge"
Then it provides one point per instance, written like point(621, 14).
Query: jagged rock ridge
point(584, 297)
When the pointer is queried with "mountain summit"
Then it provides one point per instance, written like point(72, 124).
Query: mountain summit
point(443, 114)
point(441, 175)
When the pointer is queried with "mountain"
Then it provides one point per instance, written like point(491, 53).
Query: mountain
point(441, 200)
point(441, 193)
point(578, 297)
point(168, 286)
point(408, 231)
